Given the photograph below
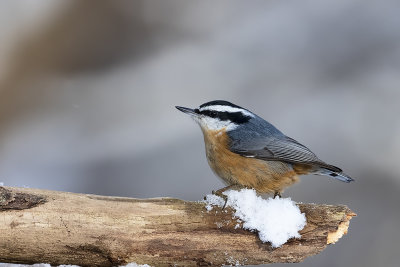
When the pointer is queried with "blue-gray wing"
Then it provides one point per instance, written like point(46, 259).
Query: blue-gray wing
point(273, 146)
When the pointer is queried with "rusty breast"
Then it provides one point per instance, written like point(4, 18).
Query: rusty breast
point(264, 176)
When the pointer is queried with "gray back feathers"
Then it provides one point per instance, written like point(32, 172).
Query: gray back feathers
point(260, 139)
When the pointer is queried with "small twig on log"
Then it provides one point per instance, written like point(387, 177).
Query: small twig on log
point(88, 230)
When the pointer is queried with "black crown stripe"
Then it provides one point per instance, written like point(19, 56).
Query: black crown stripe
point(219, 103)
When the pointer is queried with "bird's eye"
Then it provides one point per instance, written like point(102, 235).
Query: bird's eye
point(210, 113)
point(196, 110)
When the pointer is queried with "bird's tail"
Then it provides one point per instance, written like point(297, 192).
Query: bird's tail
point(334, 172)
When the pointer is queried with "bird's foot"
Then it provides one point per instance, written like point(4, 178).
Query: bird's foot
point(220, 192)
point(277, 194)
point(221, 195)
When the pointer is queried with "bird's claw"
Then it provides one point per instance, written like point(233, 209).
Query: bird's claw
point(221, 195)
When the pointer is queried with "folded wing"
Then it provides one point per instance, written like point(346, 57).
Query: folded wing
point(279, 148)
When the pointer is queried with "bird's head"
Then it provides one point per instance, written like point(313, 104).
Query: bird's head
point(218, 114)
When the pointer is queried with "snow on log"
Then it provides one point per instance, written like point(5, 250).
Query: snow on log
point(276, 220)
point(89, 230)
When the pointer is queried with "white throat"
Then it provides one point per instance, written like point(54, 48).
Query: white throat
point(213, 124)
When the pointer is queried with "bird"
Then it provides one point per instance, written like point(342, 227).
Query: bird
point(246, 151)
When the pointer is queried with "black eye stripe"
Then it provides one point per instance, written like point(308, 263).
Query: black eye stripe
point(235, 117)
point(208, 113)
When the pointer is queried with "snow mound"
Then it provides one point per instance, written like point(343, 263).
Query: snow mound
point(275, 219)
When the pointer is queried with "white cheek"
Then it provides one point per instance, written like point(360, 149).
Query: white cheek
point(215, 124)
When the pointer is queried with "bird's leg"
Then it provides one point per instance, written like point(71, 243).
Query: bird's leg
point(220, 192)
point(277, 194)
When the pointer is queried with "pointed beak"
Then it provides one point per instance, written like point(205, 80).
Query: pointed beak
point(187, 110)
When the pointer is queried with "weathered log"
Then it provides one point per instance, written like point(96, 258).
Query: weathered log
point(89, 230)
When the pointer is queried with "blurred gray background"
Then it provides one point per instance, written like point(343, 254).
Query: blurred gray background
point(87, 96)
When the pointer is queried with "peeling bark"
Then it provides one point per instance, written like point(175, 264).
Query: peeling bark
point(10, 200)
point(88, 230)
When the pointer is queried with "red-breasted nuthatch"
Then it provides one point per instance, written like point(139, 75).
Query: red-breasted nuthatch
point(247, 151)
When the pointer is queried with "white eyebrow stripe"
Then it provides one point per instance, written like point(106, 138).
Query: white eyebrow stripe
point(222, 108)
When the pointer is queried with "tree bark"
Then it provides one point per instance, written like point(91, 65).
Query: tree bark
point(89, 230)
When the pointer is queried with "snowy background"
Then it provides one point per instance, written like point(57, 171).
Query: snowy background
point(87, 96)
